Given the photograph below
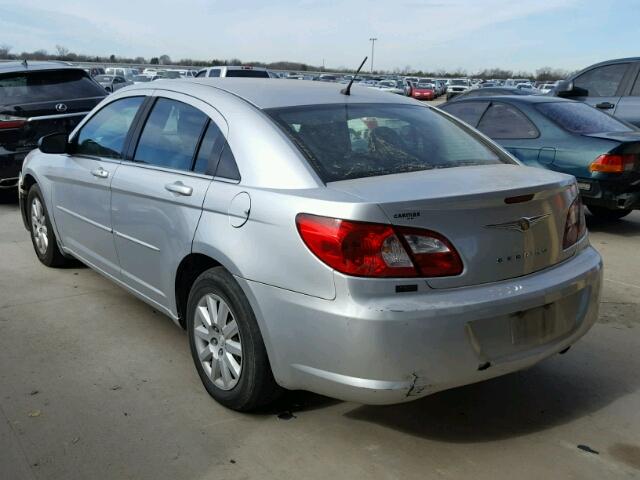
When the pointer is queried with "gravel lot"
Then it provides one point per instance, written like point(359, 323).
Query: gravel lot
point(95, 384)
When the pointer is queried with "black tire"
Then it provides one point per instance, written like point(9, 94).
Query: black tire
point(52, 256)
point(255, 386)
point(608, 214)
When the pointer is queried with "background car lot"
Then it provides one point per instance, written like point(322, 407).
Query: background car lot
point(109, 379)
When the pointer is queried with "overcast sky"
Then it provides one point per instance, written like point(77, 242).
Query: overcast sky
point(428, 35)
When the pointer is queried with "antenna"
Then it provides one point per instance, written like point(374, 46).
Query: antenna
point(347, 91)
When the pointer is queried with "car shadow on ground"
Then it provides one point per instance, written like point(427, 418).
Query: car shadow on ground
point(8, 197)
point(628, 226)
point(545, 396)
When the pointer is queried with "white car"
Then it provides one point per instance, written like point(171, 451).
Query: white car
point(456, 86)
point(234, 71)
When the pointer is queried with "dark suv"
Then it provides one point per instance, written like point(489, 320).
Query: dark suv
point(38, 98)
point(612, 86)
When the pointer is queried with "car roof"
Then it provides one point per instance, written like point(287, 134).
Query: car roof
point(266, 93)
point(30, 66)
point(515, 99)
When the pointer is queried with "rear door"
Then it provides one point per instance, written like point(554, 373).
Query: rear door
point(81, 184)
point(604, 85)
point(628, 108)
point(157, 196)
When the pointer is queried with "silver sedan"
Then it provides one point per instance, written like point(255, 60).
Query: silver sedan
point(362, 246)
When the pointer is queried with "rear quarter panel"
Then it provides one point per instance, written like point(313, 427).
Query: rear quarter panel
point(268, 247)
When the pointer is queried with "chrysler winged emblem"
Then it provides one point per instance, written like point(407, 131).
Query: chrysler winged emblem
point(521, 225)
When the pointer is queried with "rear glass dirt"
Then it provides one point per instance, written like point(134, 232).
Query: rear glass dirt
point(30, 87)
point(353, 141)
point(578, 117)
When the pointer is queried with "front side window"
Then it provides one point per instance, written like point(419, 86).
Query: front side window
point(353, 141)
point(214, 72)
point(502, 121)
point(577, 117)
point(104, 134)
point(171, 134)
point(602, 81)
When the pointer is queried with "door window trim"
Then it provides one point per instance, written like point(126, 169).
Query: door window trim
point(141, 120)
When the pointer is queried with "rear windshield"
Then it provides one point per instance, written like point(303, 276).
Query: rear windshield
point(577, 117)
point(354, 141)
point(248, 73)
point(29, 87)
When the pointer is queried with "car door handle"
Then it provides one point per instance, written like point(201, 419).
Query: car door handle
point(100, 172)
point(605, 105)
point(179, 188)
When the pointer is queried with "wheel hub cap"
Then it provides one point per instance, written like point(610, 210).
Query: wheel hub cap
point(39, 226)
point(218, 341)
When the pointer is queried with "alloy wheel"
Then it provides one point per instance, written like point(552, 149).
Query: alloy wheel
point(218, 342)
point(39, 226)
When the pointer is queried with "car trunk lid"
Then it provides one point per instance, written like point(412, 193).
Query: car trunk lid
point(38, 102)
point(505, 221)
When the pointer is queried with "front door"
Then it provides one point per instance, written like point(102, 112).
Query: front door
point(81, 195)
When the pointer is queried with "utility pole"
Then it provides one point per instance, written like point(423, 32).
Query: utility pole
point(373, 42)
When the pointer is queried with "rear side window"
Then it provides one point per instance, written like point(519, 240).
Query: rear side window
point(503, 121)
point(104, 134)
point(577, 117)
point(247, 73)
point(171, 134)
point(602, 81)
point(209, 152)
point(344, 141)
point(214, 72)
point(47, 86)
point(228, 168)
point(469, 112)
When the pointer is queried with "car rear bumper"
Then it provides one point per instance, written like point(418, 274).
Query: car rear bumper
point(613, 195)
point(10, 166)
point(391, 349)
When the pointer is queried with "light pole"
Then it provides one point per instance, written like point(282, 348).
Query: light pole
point(373, 42)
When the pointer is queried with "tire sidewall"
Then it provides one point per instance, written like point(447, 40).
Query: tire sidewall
point(219, 282)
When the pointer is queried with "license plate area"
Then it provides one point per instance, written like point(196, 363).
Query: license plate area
point(511, 334)
point(538, 325)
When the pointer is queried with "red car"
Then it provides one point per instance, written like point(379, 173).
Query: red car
point(423, 91)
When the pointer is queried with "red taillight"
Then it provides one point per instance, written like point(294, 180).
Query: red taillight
point(576, 226)
point(9, 121)
point(377, 250)
point(613, 163)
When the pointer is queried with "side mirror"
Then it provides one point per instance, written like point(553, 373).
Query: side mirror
point(566, 89)
point(54, 143)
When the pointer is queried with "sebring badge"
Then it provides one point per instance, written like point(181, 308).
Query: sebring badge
point(521, 225)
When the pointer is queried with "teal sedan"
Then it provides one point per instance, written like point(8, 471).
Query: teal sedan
point(602, 152)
